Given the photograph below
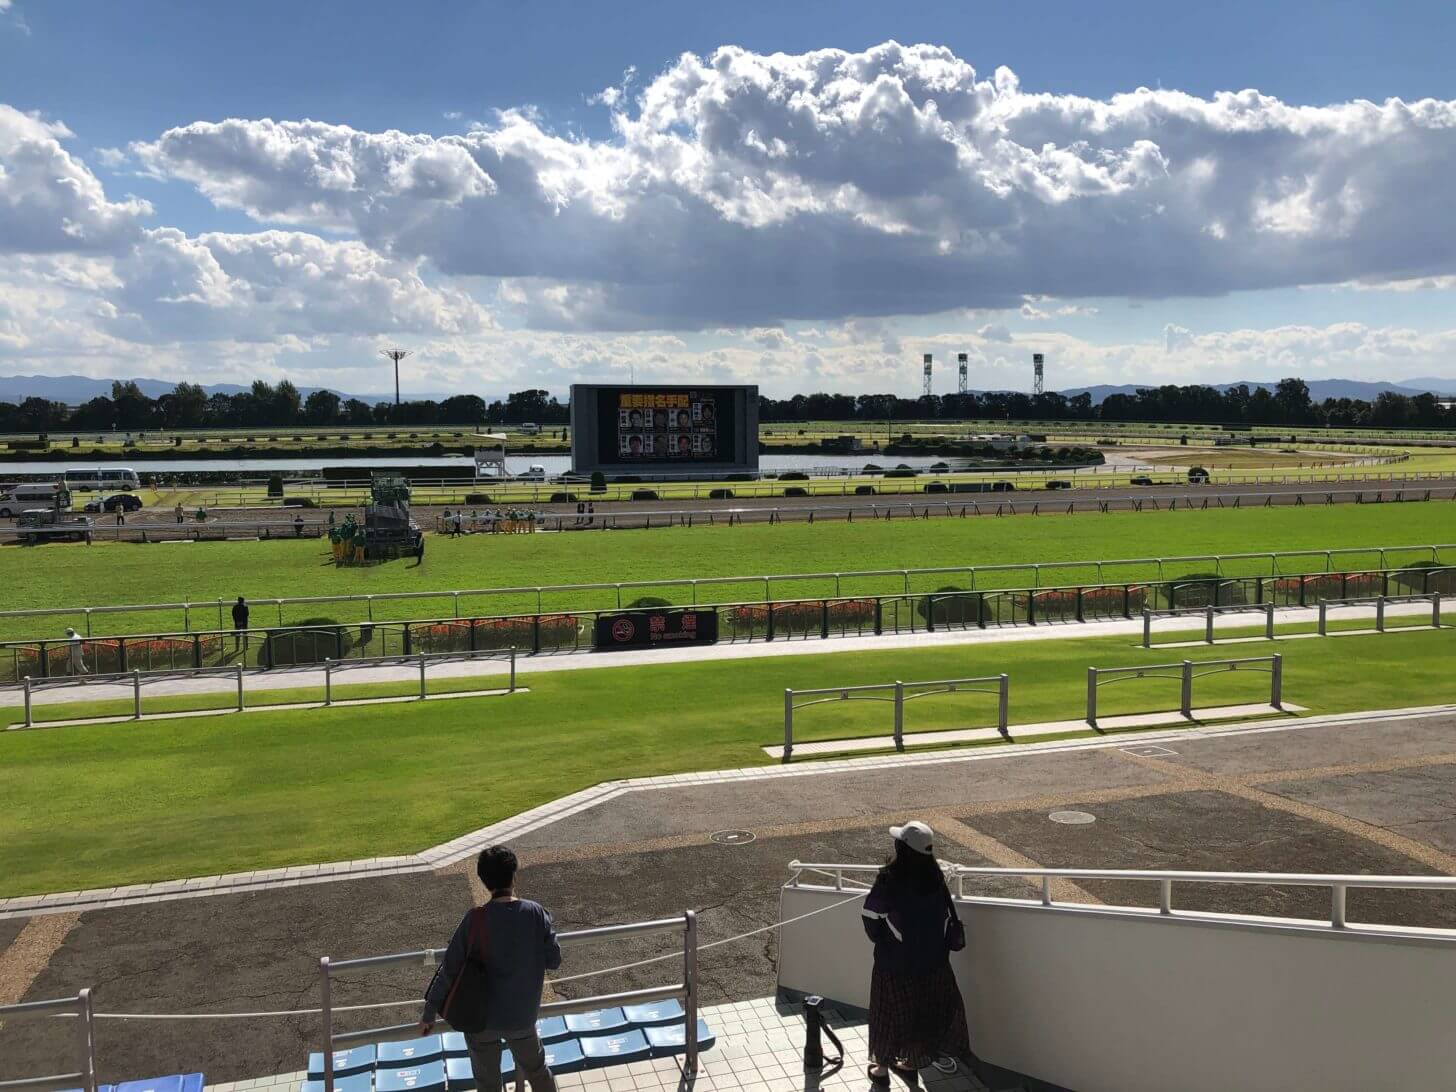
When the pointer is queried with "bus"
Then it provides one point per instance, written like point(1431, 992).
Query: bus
point(88, 479)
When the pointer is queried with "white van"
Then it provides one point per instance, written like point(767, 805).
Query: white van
point(17, 498)
point(109, 478)
point(114, 478)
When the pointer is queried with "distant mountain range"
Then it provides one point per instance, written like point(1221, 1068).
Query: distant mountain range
point(75, 389)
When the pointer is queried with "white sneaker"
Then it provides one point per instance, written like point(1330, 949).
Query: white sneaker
point(945, 1064)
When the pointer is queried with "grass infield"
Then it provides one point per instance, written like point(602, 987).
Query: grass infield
point(123, 803)
point(111, 573)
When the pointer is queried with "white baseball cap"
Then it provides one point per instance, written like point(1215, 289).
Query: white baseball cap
point(915, 834)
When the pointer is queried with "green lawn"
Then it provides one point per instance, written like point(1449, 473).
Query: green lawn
point(64, 575)
point(114, 804)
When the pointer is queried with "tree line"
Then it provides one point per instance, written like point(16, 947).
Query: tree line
point(265, 405)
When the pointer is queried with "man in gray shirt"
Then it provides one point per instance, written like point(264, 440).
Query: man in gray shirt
point(519, 948)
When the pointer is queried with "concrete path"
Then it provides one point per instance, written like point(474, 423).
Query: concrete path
point(408, 672)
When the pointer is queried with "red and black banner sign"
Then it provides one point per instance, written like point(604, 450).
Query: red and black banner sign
point(655, 628)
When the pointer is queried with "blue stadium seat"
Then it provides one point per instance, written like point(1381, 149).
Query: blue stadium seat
point(626, 1046)
point(454, 1044)
point(668, 1039)
point(176, 1082)
point(429, 1077)
point(460, 1077)
point(565, 1056)
point(359, 1059)
point(355, 1082)
point(552, 1028)
point(599, 1022)
point(654, 1012)
point(410, 1052)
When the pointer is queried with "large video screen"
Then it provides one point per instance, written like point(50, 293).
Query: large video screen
point(664, 426)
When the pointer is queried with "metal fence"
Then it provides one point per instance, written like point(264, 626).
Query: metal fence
point(1187, 671)
point(1379, 602)
point(698, 589)
point(136, 680)
point(685, 991)
point(897, 693)
point(1209, 613)
point(740, 622)
point(79, 1007)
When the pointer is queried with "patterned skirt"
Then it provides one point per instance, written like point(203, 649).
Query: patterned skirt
point(915, 1019)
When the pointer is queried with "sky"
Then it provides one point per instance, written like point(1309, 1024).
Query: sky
point(807, 196)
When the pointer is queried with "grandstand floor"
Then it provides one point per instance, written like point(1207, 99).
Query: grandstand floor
point(1368, 795)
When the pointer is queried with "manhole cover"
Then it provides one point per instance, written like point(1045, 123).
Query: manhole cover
point(733, 837)
point(1072, 818)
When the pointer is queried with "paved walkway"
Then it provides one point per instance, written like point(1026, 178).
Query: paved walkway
point(408, 672)
point(1366, 793)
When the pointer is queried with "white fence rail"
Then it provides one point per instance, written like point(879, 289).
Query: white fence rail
point(896, 693)
point(1187, 672)
point(1379, 602)
point(137, 679)
point(1101, 570)
point(79, 1007)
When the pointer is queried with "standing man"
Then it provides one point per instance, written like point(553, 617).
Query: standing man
point(240, 622)
point(514, 942)
point(75, 658)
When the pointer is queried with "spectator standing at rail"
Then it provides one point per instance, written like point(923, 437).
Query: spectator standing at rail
point(512, 944)
point(179, 513)
point(75, 652)
point(580, 513)
point(459, 524)
point(591, 512)
point(916, 1012)
point(240, 621)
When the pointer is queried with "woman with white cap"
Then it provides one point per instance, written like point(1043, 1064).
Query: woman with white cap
point(916, 1012)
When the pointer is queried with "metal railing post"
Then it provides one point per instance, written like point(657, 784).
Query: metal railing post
point(87, 1032)
point(899, 715)
point(1380, 614)
point(690, 1000)
point(1165, 897)
point(240, 688)
point(1269, 621)
point(1092, 696)
point(1187, 702)
point(1337, 906)
point(327, 1011)
point(422, 676)
point(1323, 618)
point(1276, 682)
point(1436, 610)
point(788, 724)
point(328, 681)
point(513, 669)
point(1208, 625)
point(26, 686)
point(136, 694)
point(1147, 628)
point(1004, 705)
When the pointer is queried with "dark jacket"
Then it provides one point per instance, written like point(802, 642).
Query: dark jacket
point(520, 947)
point(240, 616)
point(907, 926)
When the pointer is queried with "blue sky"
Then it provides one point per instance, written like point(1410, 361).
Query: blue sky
point(691, 229)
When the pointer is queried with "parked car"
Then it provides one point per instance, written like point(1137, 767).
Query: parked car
point(127, 502)
point(1057, 483)
point(1141, 479)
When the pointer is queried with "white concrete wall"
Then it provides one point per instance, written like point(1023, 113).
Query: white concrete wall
point(1120, 1001)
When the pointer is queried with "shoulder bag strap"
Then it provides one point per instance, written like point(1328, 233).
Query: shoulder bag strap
point(476, 915)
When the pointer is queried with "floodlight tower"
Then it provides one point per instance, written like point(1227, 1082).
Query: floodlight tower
point(1038, 373)
point(925, 387)
point(395, 355)
point(962, 362)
